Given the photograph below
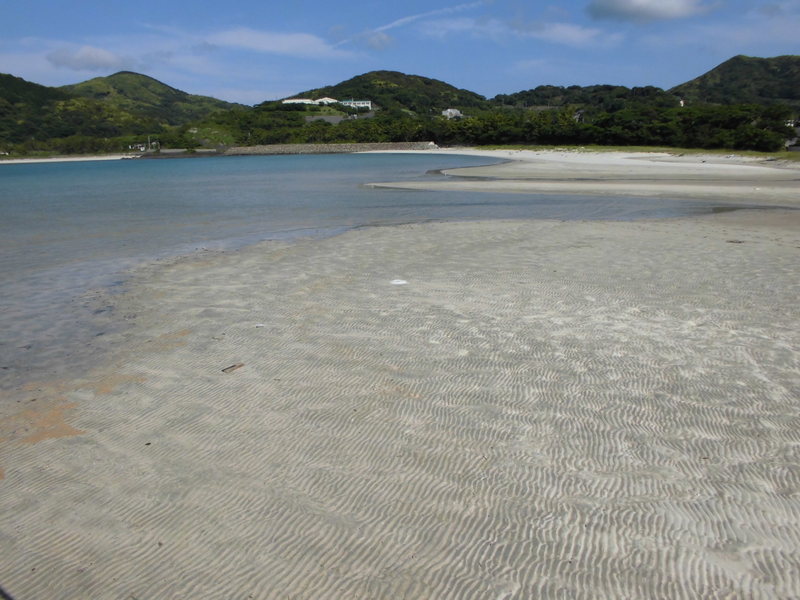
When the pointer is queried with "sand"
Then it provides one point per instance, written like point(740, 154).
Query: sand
point(731, 178)
point(499, 409)
point(68, 158)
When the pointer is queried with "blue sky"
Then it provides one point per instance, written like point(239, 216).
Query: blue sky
point(249, 51)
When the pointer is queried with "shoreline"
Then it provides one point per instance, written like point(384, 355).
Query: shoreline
point(70, 158)
point(472, 409)
point(262, 150)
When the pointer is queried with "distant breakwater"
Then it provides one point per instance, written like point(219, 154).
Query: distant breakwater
point(326, 148)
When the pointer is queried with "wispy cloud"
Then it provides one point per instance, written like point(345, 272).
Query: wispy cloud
point(484, 28)
point(431, 13)
point(377, 38)
point(569, 34)
point(89, 58)
point(303, 45)
point(645, 10)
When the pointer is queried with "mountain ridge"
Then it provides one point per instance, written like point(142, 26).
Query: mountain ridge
point(145, 95)
point(747, 80)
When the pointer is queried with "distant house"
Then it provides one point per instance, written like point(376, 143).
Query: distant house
point(452, 113)
point(357, 103)
point(299, 101)
point(352, 103)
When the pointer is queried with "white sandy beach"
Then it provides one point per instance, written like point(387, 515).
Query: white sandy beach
point(498, 409)
point(69, 158)
point(732, 178)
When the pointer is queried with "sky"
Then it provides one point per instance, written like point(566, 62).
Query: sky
point(249, 51)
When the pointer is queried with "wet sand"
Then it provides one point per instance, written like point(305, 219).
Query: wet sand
point(501, 409)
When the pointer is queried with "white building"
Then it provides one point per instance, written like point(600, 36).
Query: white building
point(299, 101)
point(357, 103)
point(353, 103)
point(452, 113)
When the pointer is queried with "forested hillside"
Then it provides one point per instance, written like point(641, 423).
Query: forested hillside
point(147, 97)
point(393, 90)
point(102, 114)
point(745, 103)
point(747, 80)
point(607, 98)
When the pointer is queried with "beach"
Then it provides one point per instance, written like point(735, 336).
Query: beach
point(68, 158)
point(482, 409)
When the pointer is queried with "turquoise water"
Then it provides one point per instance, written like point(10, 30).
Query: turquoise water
point(70, 228)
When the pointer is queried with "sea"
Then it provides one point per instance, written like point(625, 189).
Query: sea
point(72, 232)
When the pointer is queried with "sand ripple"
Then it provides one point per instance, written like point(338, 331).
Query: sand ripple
point(544, 410)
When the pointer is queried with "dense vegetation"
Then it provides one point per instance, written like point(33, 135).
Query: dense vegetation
point(111, 113)
point(704, 126)
point(608, 98)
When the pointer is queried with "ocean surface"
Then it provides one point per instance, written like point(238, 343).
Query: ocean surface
point(70, 232)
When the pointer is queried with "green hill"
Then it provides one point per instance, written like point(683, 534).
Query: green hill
point(22, 105)
point(391, 90)
point(747, 80)
point(96, 115)
point(609, 98)
point(16, 90)
point(142, 95)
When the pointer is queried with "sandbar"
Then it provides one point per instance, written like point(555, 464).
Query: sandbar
point(730, 178)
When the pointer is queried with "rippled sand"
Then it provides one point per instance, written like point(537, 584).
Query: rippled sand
point(460, 410)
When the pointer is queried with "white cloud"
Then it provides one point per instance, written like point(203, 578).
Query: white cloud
point(88, 58)
point(645, 10)
point(303, 45)
point(756, 33)
point(377, 40)
point(486, 28)
point(568, 34)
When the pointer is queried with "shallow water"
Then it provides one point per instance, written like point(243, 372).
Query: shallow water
point(70, 231)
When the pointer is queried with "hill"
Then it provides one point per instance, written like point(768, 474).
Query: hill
point(21, 106)
point(747, 80)
point(16, 90)
point(392, 90)
point(142, 95)
point(607, 98)
point(733, 106)
point(97, 115)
